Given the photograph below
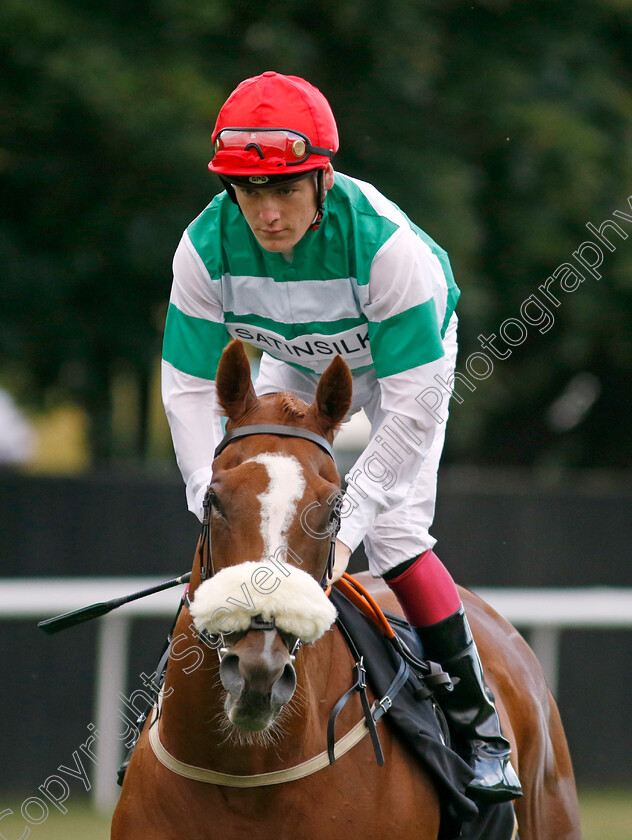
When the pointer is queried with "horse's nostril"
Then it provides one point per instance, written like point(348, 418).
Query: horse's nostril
point(284, 687)
point(230, 675)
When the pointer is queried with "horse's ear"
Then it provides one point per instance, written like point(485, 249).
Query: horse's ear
point(333, 395)
point(235, 392)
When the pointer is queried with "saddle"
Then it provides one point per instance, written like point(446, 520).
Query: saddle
point(413, 712)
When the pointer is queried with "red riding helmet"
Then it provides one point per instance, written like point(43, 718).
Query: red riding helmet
point(273, 128)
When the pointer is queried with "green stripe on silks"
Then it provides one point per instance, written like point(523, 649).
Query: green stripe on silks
point(406, 340)
point(193, 345)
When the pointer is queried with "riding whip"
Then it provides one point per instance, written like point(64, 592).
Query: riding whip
point(63, 622)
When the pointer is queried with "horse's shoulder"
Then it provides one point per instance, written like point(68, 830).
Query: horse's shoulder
point(494, 634)
point(378, 590)
point(489, 627)
point(497, 639)
point(510, 665)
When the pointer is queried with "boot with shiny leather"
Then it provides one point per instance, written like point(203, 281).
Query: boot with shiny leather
point(470, 710)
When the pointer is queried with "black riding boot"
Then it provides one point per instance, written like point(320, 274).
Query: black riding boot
point(470, 709)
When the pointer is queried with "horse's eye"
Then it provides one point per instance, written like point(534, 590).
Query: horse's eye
point(335, 511)
point(215, 504)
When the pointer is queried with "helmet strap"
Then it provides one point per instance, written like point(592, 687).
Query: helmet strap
point(230, 190)
point(321, 194)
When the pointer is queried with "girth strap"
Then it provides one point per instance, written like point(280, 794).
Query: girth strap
point(358, 685)
point(380, 707)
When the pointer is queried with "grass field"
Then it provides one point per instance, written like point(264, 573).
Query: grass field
point(606, 815)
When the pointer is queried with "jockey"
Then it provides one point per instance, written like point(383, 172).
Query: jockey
point(304, 264)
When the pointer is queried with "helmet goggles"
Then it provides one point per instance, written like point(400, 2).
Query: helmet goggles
point(269, 149)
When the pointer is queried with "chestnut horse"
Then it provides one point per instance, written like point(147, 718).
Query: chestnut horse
point(260, 703)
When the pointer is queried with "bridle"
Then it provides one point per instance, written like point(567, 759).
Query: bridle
point(371, 714)
point(207, 569)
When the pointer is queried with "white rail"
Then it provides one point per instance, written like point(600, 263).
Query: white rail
point(545, 613)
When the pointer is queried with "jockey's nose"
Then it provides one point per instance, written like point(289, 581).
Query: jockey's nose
point(269, 210)
point(259, 664)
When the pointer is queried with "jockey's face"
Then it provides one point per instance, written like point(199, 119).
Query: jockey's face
point(280, 216)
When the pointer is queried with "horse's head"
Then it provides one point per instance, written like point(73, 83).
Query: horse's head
point(273, 506)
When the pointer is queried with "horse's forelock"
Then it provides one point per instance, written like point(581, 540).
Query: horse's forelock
point(293, 407)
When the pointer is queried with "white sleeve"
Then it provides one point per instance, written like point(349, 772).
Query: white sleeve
point(190, 401)
point(378, 480)
point(194, 419)
point(402, 278)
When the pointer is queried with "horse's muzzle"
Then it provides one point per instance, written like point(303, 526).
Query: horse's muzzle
point(259, 678)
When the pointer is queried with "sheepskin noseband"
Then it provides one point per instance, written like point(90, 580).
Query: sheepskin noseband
point(226, 602)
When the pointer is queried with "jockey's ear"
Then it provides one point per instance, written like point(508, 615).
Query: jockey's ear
point(235, 391)
point(333, 395)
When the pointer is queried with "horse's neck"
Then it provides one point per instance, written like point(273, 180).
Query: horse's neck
point(193, 726)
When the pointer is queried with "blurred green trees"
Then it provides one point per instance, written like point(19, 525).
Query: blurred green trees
point(500, 127)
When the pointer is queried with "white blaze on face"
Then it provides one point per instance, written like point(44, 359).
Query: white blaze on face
point(279, 501)
point(293, 597)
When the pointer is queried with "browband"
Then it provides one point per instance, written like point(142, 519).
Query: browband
point(273, 429)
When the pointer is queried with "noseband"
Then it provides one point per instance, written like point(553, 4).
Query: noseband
point(207, 569)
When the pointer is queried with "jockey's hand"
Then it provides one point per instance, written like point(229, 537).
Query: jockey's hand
point(341, 561)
